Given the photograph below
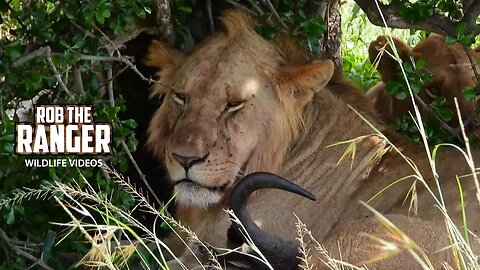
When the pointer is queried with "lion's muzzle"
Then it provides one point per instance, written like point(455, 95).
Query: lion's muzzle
point(188, 161)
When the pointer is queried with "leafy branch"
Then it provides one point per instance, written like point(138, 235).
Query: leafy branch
point(437, 22)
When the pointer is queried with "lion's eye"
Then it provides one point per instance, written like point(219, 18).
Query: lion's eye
point(179, 98)
point(234, 106)
point(433, 92)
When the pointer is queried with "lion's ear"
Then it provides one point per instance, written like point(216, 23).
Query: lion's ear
point(162, 56)
point(381, 54)
point(309, 78)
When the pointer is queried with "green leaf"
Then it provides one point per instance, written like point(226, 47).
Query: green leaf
point(313, 44)
point(416, 88)
point(99, 17)
point(185, 9)
point(165, 226)
point(445, 113)
point(408, 67)
point(20, 209)
point(13, 50)
point(33, 82)
point(127, 200)
point(266, 31)
point(8, 148)
point(465, 41)
point(420, 64)
point(139, 11)
point(10, 218)
point(106, 13)
point(70, 15)
point(8, 137)
point(460, 29)
point(450, 40)
point(48, 245)
point(469, 93)
point(438, 101)
point(401, 95)
point(130, 123)
point(315, 27)
point(393, 87)
point(79, 42)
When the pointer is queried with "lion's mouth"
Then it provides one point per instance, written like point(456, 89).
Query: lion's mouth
point(191, 183)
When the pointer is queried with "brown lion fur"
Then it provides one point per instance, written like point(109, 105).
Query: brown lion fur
point(450, 67)
point(239, 104)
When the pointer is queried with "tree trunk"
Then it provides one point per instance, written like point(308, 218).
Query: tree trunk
point(333, 38)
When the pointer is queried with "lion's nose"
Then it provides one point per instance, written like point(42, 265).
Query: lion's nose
point(189, 161)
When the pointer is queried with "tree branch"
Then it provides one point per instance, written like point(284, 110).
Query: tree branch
point(77, 74)
point(55, 71)
point(275, 13)
point(471, 16)
point(436, 23)
point(164, 19)
point(124, 144)
point(19, 252)
point(47, 53)
point(39, 52)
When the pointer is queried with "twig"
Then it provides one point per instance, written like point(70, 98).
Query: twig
point(86, 32)
point(110, 81)
point(113, 78)
point(112, 44)
point(104, 58)
point(142, 176)
point(39, 52)
point(132, 34)
point(43, 50)
point(275, 13)
point(22, 253)
point(139, 171)
point(55, 71)
point(135, 69)
point(474, 69)
point(442, 123)
point(241, 6)
point(471, 118)
point(210, 16)
point(77, 74)
point(255, 6)
point(476, 112)
point(124, 145)
point(47, 53)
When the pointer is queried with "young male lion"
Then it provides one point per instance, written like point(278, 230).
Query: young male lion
point(239, 104)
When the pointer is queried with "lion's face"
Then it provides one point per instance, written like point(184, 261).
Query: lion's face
point(217, 116)
point(230, 107)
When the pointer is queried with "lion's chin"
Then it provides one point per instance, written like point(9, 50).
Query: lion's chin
point(192, 195)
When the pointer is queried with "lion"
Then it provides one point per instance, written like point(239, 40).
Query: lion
point(239, 104)
point(449, 65)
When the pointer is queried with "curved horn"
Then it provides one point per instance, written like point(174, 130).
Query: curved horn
point(281, 254)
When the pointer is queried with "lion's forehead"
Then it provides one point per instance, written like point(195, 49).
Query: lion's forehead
point(234, 78)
